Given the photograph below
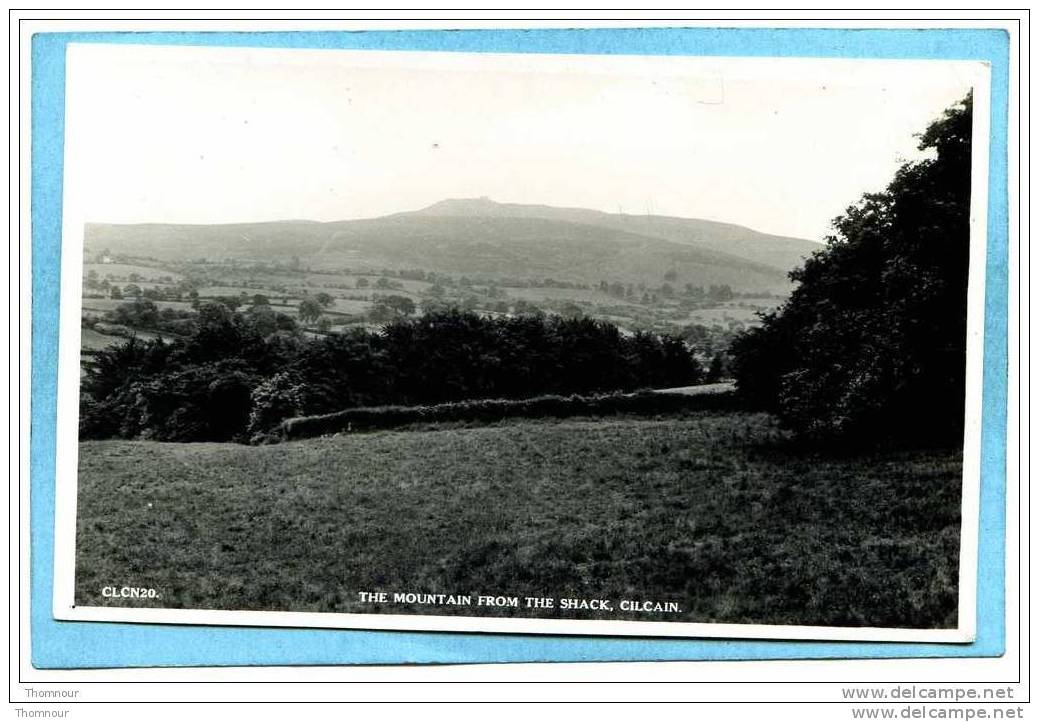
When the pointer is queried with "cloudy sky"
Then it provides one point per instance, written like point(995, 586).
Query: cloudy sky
point(196, 135)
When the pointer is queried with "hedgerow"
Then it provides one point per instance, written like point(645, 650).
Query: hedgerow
point(490, 410)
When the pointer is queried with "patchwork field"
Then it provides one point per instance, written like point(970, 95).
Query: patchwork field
point(717, 512)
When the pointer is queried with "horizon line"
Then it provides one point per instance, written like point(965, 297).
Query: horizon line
point(468, 199)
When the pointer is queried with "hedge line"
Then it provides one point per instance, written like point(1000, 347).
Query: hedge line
point(490, 410)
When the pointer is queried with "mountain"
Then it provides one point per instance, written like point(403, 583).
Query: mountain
point(482, 238)
point(781, 252)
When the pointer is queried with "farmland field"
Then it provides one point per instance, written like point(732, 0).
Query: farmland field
point(231, 291)
point(717, 512)
point(564, 294)
point(347, 305)
point(123, 270)
point(101, 305)
point(710, 316)
point(91, 340)
point(187, 284)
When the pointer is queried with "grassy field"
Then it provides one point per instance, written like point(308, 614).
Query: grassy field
point(91, 340)
point(549, 293)
point(347, 305)
point(717, 512)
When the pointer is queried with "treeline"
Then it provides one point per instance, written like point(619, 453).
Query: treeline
point(229, 380)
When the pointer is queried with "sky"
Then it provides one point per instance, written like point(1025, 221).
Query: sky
point(204, 135)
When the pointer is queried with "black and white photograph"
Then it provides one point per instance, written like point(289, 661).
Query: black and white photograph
point(572, 344)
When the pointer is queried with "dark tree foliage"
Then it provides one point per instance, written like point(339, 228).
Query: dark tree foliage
point(232, 379)
point(872, 341)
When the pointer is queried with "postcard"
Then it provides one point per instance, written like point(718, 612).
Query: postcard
point(566, 344)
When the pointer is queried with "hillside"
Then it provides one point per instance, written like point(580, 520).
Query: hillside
point(780, 252)
point(486, 239)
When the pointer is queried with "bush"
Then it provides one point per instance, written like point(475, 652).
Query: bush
point(280, 397)
point(210, 402)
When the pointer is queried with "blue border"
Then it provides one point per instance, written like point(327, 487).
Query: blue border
point(81, 644)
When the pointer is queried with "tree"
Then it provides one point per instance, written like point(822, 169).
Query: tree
point(262, 318)
point(394, 306)
point(872, 340)
point(362, 282)
point(215, 315)
point(324, 299)
point(285, 322)
point(138, 313)
point(309, 310)
point(434, 305)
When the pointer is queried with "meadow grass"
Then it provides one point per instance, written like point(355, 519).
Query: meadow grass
point(718, 512)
